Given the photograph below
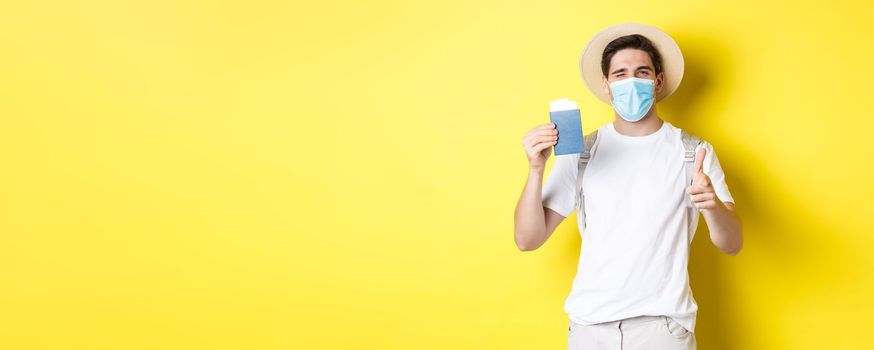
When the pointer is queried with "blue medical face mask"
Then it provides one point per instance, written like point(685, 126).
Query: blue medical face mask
point(632, 97)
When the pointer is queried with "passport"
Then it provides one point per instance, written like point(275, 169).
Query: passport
point(566, 116)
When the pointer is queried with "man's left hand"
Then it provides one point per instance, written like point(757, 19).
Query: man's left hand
point(701, 190)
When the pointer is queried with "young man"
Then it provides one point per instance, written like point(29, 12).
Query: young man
point(632, 289)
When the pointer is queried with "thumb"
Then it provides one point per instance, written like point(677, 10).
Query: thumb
point(699, 160)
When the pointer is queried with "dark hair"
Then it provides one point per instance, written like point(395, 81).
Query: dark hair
point(633, 41)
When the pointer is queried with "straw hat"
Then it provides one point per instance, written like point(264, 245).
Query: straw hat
point(672, 58)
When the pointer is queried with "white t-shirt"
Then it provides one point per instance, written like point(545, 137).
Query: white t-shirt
point(635, 248)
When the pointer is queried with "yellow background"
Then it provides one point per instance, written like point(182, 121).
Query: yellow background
point(337, 175)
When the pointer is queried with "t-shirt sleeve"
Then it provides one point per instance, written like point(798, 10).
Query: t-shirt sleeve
point(713, 169)
point(558, 189)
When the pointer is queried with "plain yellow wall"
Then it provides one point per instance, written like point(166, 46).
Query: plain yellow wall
point(336, 175)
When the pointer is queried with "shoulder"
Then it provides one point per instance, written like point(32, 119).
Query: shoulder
point(692, 139)
point(592, 139)
point(596, 134)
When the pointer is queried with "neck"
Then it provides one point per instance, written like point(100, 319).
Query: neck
point(647, 125)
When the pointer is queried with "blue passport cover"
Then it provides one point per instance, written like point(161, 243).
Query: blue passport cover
point(570, 131)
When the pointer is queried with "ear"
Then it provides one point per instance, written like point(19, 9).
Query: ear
point(660, 82)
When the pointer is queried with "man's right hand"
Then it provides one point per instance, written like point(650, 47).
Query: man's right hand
point(538, 144)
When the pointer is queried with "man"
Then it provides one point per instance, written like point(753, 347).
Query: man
point(631, 290)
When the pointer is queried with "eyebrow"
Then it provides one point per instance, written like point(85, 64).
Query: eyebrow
point(638, 68)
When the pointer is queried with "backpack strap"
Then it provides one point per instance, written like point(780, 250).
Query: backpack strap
point(589, 142)
point(690, 143)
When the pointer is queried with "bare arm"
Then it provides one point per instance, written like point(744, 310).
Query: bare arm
point(533, 222)
point(725, 227)
point(723, 222)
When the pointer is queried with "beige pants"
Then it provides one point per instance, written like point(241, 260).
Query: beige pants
point(642, 332)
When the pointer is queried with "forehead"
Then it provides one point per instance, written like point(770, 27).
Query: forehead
point(630, 58)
